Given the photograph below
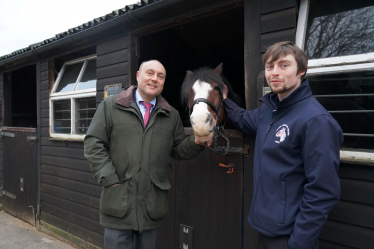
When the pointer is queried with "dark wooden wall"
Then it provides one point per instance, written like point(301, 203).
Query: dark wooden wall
point(69, 194)
point(113, 64)
point(351, 222)
point(1, 124)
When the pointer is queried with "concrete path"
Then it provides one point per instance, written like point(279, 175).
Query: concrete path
point(16, 234)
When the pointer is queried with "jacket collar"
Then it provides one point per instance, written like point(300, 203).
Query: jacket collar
point(300, 93)
point(125, 98)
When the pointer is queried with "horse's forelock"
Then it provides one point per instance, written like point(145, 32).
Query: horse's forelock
point(203, 74)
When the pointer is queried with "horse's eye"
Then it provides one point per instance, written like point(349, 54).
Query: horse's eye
point(217, 88)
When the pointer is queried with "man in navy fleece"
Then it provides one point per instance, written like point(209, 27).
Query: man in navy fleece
point(296, 154)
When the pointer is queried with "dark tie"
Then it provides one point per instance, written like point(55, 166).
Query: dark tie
point(147, 113)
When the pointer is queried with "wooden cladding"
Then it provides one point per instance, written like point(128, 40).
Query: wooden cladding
point(113, 64)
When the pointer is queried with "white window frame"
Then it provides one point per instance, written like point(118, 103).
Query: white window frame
point(337, 64)
point(331, 64)
point(72, 96)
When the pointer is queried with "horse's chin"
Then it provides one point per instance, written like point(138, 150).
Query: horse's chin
point(203, 137)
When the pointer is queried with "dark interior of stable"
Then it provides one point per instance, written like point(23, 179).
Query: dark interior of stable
point(203, 42)
point(20, 102)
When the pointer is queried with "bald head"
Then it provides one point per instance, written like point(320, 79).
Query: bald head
point(151, 61)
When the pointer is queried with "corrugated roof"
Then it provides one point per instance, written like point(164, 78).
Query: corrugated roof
point(80, 28)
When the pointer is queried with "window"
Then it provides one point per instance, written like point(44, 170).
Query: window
point(338, 37)
point(73, 99)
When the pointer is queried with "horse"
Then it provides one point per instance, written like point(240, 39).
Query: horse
point(202, 91)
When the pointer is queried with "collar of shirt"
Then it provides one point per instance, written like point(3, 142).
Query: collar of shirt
point(140, 105)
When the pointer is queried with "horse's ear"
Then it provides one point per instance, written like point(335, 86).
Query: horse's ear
point(219, 69)
point(188, 73)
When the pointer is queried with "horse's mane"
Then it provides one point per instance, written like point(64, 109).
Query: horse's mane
point(207, 75)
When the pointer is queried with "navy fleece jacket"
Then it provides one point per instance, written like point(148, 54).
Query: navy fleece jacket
point(295, 165)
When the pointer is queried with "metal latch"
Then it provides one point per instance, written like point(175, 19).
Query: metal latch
point(32, 139)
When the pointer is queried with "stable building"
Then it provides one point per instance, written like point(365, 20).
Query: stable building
point(49, 92)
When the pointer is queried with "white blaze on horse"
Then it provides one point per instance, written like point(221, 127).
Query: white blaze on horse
point(202, 92)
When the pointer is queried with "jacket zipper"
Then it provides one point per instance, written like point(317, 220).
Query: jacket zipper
point(259, 173)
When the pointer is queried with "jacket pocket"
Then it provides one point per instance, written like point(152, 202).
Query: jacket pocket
point(157, 202)
point(114, 200)
point(282, 203)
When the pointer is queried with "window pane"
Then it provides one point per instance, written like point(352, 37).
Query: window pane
point(85, 110)
point(338, 28)
point(62, 116)
point(349, 97)
point(69, 77)
point(89, 76)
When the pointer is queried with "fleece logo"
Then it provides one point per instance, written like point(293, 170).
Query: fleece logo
point(282, 132)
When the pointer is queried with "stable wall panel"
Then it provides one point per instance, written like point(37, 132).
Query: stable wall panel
point(357, 191)
point(74, 229)
point(72, 195)
point(72, 174)
point(348, 235)
point(112, 70)
point(276, 5)
point(353, 213)
point(44, 94)
point(44, 113)
point(63, 152)
point(84, 188)
point(112, 58)
point(269, 39)
point(89, 212)
point(113, 45)
point(79, 164)
point(279, 20)
point(74, 218)
point(44, 66)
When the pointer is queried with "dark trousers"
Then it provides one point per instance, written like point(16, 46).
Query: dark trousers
point(280, 242)
point(129, 239)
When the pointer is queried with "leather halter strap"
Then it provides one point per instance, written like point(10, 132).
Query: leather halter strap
point(217, 110)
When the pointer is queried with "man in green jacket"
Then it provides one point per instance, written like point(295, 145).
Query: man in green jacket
point(128, 146)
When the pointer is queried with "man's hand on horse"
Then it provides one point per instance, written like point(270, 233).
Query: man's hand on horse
point(209, 143)
point(225, 92)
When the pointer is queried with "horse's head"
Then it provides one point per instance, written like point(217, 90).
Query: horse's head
point(202, 92)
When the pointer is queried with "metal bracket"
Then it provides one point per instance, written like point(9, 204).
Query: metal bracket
point(33, 214)
point(31, 139)
point(235, 150)
point(3, 192)
point(6, 134)
point(230, 166)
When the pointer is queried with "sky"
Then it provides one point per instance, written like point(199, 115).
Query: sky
point(25, 22)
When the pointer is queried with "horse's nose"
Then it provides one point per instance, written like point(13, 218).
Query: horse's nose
point(201, 119)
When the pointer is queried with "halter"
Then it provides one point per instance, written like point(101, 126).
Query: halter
point(217, 129)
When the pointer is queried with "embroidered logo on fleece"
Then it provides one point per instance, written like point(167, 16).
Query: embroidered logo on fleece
point(282, 132)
